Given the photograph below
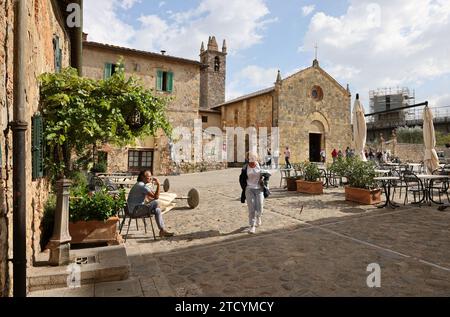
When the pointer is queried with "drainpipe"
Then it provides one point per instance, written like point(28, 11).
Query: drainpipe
point(19, 126)
point(77, 43)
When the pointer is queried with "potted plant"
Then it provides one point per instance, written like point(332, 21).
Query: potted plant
point(360, 176)
point(93, 217)
point(291, 179)
point(310, 184)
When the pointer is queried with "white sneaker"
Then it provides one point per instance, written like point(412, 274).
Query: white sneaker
point(258, 221)
point(252, 230)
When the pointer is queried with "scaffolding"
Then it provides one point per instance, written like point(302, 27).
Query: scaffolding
point(390, 99)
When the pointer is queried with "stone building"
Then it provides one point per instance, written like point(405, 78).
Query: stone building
point(48, 48)
point(310, 108)
point(193, 85)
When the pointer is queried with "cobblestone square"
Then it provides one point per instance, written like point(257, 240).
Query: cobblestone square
point(323, 250)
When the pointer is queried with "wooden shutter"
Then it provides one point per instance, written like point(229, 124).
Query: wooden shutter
point(37, 147)
point(108, 71)
point(169, 82)
point(159, 80)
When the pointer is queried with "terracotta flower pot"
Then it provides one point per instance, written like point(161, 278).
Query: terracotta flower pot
point(315, 188)
point(94, 231)
point(363, 196)
point(291, 183)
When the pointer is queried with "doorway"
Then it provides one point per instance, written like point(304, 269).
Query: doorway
point(314, 147)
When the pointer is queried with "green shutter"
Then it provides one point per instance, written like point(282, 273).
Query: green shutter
point(37, 147)
point(58, 54)
point(108, 71)
point(169, 82)
point(59, 60)
point(159, 80)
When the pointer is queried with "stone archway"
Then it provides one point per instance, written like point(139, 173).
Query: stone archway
point(318, 128)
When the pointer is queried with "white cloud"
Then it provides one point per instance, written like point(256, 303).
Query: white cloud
point(240, 23)
point(307, 10)
point(440, 101)
point(251, 78)
point(162, 3)
point(128, 4)
point(109, 28)
point(393, 42)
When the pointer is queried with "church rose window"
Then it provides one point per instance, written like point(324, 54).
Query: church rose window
point(317, 93)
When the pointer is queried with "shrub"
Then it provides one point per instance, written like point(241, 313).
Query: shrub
point(358, 173)
point(100, 206)
point(311, 172)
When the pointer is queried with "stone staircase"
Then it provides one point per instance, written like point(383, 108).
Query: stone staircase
point(105, 264)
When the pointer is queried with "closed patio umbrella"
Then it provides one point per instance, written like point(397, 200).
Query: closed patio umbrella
point(431, 158)
point(359, 129)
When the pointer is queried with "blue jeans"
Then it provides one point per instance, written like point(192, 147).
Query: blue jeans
point(255, 203)
point(150, 209)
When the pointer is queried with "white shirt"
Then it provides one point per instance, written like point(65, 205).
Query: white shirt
point(254, 175)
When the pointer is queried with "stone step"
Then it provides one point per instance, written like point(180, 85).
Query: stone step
point(88, 266)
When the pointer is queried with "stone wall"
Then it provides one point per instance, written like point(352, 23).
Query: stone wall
point(182, 110)
point(42, 25)
point(413, 153)
point(300, 114)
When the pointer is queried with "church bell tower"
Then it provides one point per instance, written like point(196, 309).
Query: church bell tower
point(213, 74)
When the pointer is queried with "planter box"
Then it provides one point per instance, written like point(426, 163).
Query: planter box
point(95, 231)
point(291, 183)
point(363, 196)
point(315, 188)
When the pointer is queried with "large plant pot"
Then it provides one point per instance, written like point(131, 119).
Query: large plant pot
point(363, 196)
point(291, 183)
point(315, 188)
point(83, 232)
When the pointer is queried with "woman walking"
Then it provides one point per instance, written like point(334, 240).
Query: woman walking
point(253, 181)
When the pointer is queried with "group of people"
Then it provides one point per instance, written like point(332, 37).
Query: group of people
point(276, 155)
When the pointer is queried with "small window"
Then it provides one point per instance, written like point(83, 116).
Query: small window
point(139, 160)
point(216, 64)
point(205, 119)
point(110, 69)
point(164, 81)
point(317, 93)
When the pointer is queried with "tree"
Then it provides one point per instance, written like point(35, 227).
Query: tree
point(79, 112)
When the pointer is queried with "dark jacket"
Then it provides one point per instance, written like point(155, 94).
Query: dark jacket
point(243, 182)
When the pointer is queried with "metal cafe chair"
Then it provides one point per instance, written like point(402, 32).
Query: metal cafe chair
point(132, 216)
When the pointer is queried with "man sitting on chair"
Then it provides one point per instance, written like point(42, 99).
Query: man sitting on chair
point(142, 200)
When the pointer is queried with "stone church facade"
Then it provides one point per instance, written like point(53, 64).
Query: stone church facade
point(194, 87)
point(310, 108)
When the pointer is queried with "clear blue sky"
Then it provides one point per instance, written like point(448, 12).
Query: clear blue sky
point(368, 44)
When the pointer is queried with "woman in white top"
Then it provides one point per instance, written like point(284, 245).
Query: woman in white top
point(251, 176)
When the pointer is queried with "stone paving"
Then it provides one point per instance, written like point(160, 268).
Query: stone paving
point(306, 246)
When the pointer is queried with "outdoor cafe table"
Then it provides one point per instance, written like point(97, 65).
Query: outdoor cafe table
point(386, 183)
point(428, 180)
point(382, 171)
point(125, 183)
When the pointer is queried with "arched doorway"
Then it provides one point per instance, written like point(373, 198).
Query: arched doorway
point(316, 140)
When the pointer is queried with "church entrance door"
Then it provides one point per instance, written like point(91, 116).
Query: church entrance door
point(314, 147)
